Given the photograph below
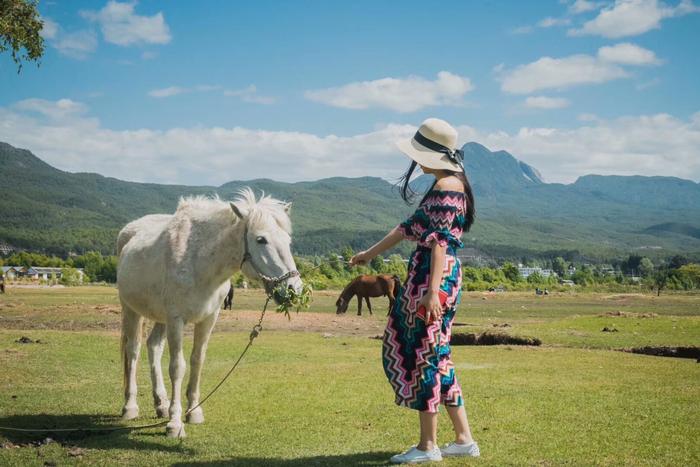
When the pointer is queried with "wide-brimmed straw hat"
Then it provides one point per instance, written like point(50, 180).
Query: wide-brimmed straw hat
point(435, 146)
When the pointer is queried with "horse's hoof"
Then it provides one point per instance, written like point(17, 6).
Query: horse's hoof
point(130, 413)
point(196, 416)
point(162, 411)
point(175, 431)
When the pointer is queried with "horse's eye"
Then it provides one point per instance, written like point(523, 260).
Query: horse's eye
point(261, 240)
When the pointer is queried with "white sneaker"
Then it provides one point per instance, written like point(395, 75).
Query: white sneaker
point(416, 456)
point(454, 450)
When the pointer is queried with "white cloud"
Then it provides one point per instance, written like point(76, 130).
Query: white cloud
point(49, 29)
point(522, 30)
point(122, 26)
point(63, 134)
point(54, 110)
point(74, 44)
point(167, 92)
point(400, 94)
point(544, 102)
point(574, 70)
point(250, 94)
point(640, 145)
point(78, 44)
point(583, 6)
point(628, 54)
point(632, 17)
point(549, 22)
point(148, 55)
point(199, 155)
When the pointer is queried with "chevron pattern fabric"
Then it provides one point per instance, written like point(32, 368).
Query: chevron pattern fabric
point(416, 356)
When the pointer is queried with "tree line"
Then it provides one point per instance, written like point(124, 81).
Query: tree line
point(331, 271)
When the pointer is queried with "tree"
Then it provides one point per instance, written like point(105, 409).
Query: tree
point(377, 263)
point(646, 267)
point(660, 279)
point(20, 28)
point(510, 271)
point(559, 266)
point(631, 264)
point(690, 275)
point(535, 278)
point(677, 261)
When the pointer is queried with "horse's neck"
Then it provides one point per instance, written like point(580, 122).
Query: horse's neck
point(217, 251)
point(349, 291)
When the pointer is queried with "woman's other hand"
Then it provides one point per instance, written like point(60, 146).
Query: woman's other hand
point(360, 259)
point(433, 309)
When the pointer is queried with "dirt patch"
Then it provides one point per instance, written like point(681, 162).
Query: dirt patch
point(677, 352)
point(493, 338)
point(627, 314)
point(607, 329)
point(325, 323)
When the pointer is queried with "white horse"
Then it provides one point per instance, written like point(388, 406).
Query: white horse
point(175, 269)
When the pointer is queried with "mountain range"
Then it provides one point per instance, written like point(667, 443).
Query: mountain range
point(518, 214)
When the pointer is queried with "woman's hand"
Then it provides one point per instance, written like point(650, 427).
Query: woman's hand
point(433, 309)
point(360, 259)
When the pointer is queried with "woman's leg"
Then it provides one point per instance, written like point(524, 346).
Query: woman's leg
point(458, 415)
point(428, 430)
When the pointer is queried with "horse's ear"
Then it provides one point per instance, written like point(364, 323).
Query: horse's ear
point(237, 211)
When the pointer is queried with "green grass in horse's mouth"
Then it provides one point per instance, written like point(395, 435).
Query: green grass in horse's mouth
point(288, 298)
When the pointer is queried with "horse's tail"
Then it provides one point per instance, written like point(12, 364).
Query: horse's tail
point(397, 282)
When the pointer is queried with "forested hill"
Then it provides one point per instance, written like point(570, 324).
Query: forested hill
point(45, 209)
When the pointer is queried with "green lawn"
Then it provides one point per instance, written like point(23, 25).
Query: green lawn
point(301, 399)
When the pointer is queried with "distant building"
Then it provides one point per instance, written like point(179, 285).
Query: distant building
point(567, 282)
point(6, 249)
point(48, 273)
point(526, 271)
point(35, 273)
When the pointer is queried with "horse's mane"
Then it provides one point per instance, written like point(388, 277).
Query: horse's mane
point(260, 210)
point(264, 208)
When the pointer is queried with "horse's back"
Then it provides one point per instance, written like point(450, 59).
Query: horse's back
point(151, 224)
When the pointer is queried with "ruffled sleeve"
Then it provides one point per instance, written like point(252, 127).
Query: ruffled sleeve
point(408, 228)
point(444, 227)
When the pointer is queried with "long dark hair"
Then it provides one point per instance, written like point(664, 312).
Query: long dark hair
point(408, 194)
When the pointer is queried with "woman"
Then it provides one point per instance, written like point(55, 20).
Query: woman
point(415, 350)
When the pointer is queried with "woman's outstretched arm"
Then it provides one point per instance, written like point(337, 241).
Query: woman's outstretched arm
point(389, 240)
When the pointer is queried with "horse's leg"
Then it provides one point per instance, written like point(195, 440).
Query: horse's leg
point(359, 305)
point(131, 345)
point(175, 328)
point(202, 332)
point(369, 305)
point(155, 344)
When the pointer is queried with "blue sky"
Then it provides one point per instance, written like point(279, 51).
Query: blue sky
point(206, 92)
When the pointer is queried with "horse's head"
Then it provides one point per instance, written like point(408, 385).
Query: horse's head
point(267, 253)
point(341, 306)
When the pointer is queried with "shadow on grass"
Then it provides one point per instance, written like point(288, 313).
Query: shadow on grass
point(97, 434)
point(361, 459)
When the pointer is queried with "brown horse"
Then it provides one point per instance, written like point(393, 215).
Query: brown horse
point(366, 286)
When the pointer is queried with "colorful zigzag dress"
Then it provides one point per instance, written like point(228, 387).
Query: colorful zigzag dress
point(416, 356)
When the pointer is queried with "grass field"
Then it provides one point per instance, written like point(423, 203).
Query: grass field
point(312, 390)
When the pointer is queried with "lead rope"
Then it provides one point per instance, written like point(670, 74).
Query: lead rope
point(254, 333)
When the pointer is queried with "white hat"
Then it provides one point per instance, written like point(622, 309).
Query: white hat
point(434, 145)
